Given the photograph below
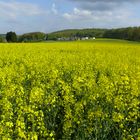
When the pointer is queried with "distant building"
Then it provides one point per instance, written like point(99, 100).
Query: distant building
point(60, 39)
point(67, 39)
point(84, 38)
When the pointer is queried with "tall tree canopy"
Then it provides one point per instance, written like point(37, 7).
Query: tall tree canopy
point(11, 37)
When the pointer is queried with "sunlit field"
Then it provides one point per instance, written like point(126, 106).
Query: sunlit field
point(82, 90)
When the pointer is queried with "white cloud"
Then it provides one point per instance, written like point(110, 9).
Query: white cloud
point(15, 9)
point(22, 16)
point(78, 14)
point(103, 5)
point(32, 16)
point(54, 10)
point(106, 16)
point(82, 12)
point(99, 19)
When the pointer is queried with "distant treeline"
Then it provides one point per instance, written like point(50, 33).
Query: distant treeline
point(130, 33)
point(32, 37)
point(28, 37)
point(2, 38)
point(77, 33)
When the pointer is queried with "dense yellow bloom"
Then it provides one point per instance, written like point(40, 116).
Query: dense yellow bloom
point(70, 90)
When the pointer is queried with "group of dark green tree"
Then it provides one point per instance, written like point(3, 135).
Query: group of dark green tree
point(130, 33)
point(29, 37)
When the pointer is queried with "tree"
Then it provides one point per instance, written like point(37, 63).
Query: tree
point(1, 39)
point(11, 37)
point(32, 37)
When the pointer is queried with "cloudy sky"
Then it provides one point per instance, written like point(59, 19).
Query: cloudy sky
point(24, 16)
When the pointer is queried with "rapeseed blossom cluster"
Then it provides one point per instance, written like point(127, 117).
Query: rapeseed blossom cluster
point(72, 90)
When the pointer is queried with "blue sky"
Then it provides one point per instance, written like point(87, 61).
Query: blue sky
point(24, 16)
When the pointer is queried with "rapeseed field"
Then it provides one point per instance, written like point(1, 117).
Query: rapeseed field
point(82, 90)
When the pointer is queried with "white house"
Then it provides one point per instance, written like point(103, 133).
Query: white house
point(84, 38)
